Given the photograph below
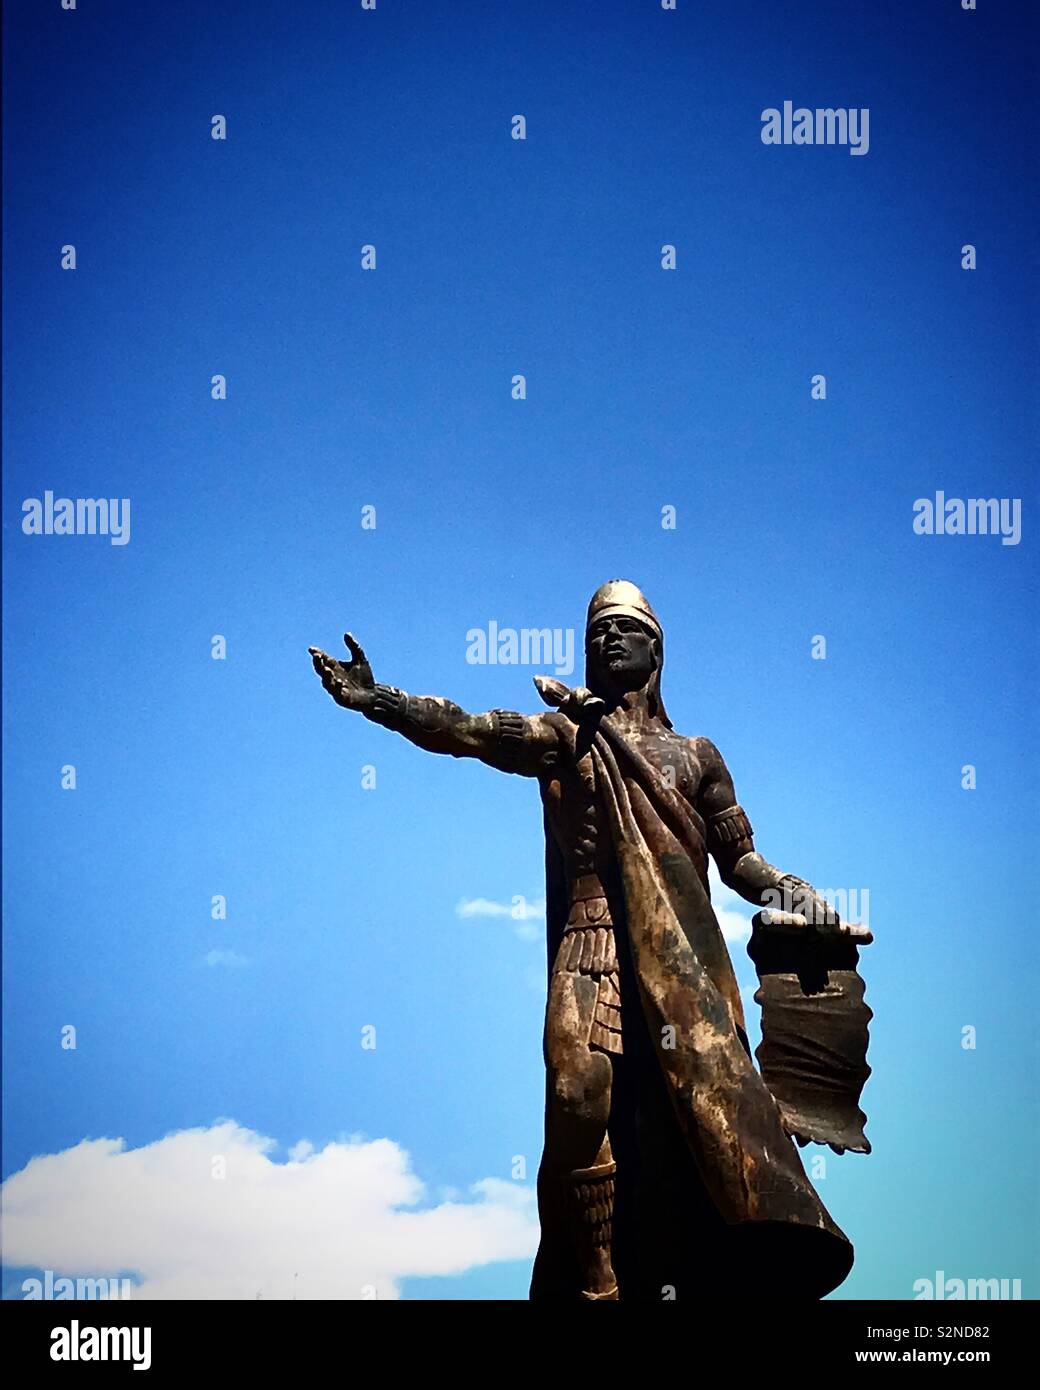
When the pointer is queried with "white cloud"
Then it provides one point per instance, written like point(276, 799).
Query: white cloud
point(519, 909)
point(341, 1219)
point(224, 958)
point(733, 913)
point(731, 910)
point(522, 912)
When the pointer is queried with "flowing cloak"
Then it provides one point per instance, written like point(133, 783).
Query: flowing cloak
point(759, 1218)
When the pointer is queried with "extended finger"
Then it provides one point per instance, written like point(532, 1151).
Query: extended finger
point(858, 932)
point(355, 648)
point(327, 667)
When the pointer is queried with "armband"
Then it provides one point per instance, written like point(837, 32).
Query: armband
point(509, 730)
point(728, 827)
point(388, 706)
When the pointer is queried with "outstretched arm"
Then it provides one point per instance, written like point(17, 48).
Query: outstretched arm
point(511, 742)
point(741, 867)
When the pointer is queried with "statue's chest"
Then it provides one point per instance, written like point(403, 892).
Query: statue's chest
point(673, 757)
point(575, 804)
point(575, 794)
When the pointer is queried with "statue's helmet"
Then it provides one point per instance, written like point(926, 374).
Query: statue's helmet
point(620, 598)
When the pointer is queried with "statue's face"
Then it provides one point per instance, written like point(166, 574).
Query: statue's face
point(622, 654)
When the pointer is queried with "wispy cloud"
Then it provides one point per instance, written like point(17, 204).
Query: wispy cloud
point(733, 913)
point(335, 1223)
point(230, 958)
point(519, 909)
point(522, 912)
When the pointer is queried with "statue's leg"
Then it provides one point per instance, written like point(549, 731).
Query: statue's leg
point(577, 1150)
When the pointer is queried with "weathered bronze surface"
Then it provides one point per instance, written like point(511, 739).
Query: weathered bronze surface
point(669, 1166)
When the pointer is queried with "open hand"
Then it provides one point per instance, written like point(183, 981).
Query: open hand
point(350, 683)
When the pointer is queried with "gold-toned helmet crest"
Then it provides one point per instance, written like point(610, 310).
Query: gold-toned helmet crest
point(619, 597)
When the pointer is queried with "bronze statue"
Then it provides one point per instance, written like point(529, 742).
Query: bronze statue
point(669, 1165)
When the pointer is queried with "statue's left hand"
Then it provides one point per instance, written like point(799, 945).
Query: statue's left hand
point(828, 923)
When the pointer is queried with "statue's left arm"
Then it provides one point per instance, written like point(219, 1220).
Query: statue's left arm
point(813, 1053)
point(731, 841)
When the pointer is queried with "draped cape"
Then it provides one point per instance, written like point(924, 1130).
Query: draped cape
point(730, 1123)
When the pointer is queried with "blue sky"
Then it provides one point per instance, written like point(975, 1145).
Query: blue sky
point(391, 388)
